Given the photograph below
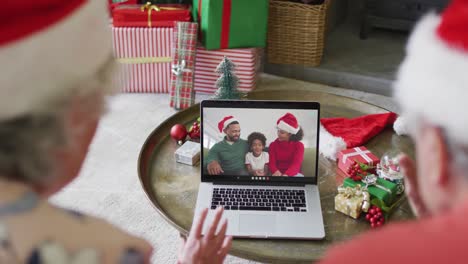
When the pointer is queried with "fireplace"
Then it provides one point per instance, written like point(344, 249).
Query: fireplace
point(396, 14)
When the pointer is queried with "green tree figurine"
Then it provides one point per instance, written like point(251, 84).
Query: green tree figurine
point(228, 81)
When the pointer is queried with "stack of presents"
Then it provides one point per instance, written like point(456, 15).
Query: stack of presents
point(174, 46)
point(372, 186)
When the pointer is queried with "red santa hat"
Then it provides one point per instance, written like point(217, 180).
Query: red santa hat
point(225, 122)
point(46, 48)
point(339, 133)
point(432, 81)
point(288, 123)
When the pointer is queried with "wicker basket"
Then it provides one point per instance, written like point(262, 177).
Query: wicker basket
point(296, 32)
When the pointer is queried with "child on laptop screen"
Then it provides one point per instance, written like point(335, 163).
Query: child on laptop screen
point(256, 161)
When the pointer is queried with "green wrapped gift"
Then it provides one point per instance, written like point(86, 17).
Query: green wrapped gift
point(382, 189)
point(231, 23)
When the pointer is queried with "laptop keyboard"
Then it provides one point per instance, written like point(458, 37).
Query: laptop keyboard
point(259, 199)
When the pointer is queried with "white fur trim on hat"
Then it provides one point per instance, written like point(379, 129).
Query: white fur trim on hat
point(286, 127)
point(229, 121)
point(52, 61)
point(329, 145)
point(400, 126)
point(433, 80)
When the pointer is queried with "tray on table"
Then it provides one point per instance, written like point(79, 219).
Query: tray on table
point(172, 187)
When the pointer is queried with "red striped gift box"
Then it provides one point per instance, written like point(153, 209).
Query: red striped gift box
point(145, 56)
point(247, 63)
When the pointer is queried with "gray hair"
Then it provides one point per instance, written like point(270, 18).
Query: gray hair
point(27, 142)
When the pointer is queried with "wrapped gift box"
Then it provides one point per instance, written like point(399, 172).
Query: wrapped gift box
point(383, 190)
point(183, 65)
point(247, 63)
point(149, 15)
point(359, 155)
point(145, 55)
point(188, 153)
point(232, 24)
point(352, 201)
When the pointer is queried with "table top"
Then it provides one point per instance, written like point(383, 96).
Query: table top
point(172, 187)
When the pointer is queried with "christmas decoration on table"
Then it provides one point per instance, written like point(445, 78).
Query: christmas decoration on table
point(375, 216)
point(387, 210)
point(148, 15)
point(247, 61)
point(188, 153)
point(179, 133)
point(185, 39)
point(338, 133)
point(356, 171)
point(352, 201)
point(227, 82)
point(231, 24)
point(389, 169)
point(358, 158)
point(194, 130)
point(146, 67)
point(377, 187)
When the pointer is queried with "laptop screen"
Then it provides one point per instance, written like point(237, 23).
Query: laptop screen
point(260, 141)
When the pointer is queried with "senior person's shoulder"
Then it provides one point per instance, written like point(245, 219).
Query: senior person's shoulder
point(49, 231)
point(432, 240)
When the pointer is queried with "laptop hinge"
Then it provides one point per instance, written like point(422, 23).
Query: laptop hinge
point(256, 183)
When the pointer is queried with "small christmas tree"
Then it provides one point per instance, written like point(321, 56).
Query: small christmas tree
point(228, 81)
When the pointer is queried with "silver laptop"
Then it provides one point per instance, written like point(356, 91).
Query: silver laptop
point(259, 161)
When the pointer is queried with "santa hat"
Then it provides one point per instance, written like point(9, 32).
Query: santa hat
point(432, 81)
point(339, 133)
point(46, 48)
point(288, 123)
point(225, 122)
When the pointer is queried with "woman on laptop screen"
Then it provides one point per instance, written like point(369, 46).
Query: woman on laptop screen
point(287, 151)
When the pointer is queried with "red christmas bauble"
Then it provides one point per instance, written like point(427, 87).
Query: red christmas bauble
point(178, 132)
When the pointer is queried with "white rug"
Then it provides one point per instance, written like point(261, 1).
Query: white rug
point(108, 185)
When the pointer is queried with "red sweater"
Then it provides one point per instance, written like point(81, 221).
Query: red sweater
point(286, 156)
point(440, 239)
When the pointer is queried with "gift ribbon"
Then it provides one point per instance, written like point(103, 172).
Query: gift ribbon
point(349, 193)
point(144, 60)
point(359, 152)
point(225, 22)
point(371, 180)
point(149, 7)
point(178, 70)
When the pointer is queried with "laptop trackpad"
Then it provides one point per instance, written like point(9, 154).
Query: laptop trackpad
point(256, 224)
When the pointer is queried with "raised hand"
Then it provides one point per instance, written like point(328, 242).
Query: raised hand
point(211, 248)
point(411, 186)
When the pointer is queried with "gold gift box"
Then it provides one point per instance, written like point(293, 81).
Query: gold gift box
point(352, 201)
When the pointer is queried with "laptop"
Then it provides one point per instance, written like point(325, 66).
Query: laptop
point(259, 160)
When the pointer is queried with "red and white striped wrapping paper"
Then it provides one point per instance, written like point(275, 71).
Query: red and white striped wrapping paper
point(145, 56)
point(247, 63)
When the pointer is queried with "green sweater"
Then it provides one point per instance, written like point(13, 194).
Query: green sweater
point(230, 157)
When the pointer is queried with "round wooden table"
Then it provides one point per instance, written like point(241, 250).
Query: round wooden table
point(172, 187)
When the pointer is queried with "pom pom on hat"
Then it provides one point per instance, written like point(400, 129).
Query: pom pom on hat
point(288, 123)
point(225, 122)
point(48, 47)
